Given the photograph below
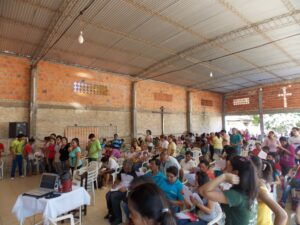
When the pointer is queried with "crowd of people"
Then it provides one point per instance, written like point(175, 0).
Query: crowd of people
point(205, 174)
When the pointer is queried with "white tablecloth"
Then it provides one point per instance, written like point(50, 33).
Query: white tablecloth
point(27, 206)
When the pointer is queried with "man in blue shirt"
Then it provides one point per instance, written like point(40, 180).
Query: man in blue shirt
point(173, 189)
point(155, 174)
point(116, 143)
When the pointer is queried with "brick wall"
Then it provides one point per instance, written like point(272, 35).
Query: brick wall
point(272, 103)
point(56, 81)
point(14, 76)
point(59, 106)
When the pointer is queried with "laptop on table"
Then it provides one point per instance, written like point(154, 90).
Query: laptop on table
point(47, 186)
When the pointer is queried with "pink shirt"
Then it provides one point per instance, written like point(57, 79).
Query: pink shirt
point(272, 144)
point(288, 159)
point(115, 153)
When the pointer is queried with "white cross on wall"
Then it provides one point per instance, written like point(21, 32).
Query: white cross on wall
point(284, 95)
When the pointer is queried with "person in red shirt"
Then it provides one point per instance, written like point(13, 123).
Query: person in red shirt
point(257, 149)
point(28, 156)
point(50, 153)
point(1, 149)
point(204, 167)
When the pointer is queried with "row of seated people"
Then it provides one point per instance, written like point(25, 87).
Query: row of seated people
point(242, 190)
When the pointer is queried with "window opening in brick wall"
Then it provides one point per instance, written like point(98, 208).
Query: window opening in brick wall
point(241, 101)
point(90, 89)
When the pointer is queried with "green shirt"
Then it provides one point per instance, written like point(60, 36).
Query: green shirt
point(94, 149)
point(237, 210)
point(17, 146)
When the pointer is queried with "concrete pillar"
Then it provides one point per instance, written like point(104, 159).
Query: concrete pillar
point(189, 111)
point(223, 111)
point(133, 110)
point(33, 101)
point(261, 113)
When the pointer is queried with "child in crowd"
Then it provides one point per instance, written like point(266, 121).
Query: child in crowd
point(1, 149)
point(29, 157)
point(50, 154)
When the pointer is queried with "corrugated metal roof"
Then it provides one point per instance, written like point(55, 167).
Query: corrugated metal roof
point(176, 41)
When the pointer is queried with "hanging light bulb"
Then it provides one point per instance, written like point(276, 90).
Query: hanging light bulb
point(211, 74)
point(80, 38)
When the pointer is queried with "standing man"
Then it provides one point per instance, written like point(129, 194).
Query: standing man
point(94, 148)
point(16, 150)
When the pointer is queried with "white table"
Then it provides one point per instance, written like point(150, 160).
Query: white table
point(27, 206)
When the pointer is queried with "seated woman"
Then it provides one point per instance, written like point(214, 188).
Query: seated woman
point(173, 188)
point(206, 210)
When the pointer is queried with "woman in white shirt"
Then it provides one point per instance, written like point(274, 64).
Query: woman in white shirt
point(272, 142)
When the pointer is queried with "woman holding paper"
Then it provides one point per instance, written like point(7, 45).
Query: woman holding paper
point(205, 210)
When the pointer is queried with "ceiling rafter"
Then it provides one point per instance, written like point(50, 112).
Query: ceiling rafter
point(243, 73)
point(268, 24)
point(71, 52)
point(196, 34)
point(73, 37)
point(36, 4)
point(53, 32)
point(232, 9)
point(149, 43)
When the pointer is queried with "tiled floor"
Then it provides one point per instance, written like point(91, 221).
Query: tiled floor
point(10, 189)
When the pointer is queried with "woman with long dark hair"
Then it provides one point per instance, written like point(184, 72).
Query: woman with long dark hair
point(149, 206)
point(238, 203)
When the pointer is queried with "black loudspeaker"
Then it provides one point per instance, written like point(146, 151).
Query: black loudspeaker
point(16, 128)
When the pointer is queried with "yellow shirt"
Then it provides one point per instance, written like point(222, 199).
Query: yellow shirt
point(17, 146)
point(217, 142)
point(172, 149)
point(264, 213)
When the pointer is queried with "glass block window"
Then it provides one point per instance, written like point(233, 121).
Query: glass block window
point(241, 101)
point(89, 89)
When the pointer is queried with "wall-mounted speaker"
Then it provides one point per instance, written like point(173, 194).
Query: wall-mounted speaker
point(16, 128)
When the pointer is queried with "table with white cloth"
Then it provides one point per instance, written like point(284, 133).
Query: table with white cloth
point(27, 206)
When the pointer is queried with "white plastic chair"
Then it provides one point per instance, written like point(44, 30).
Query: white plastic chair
point(219, 218)
point(92, 174)
point(65, 217)
point(95, 164)
point(114, 174)
point(293, 219)
point(120, 161)
point(1, 168)
point(196, 155)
